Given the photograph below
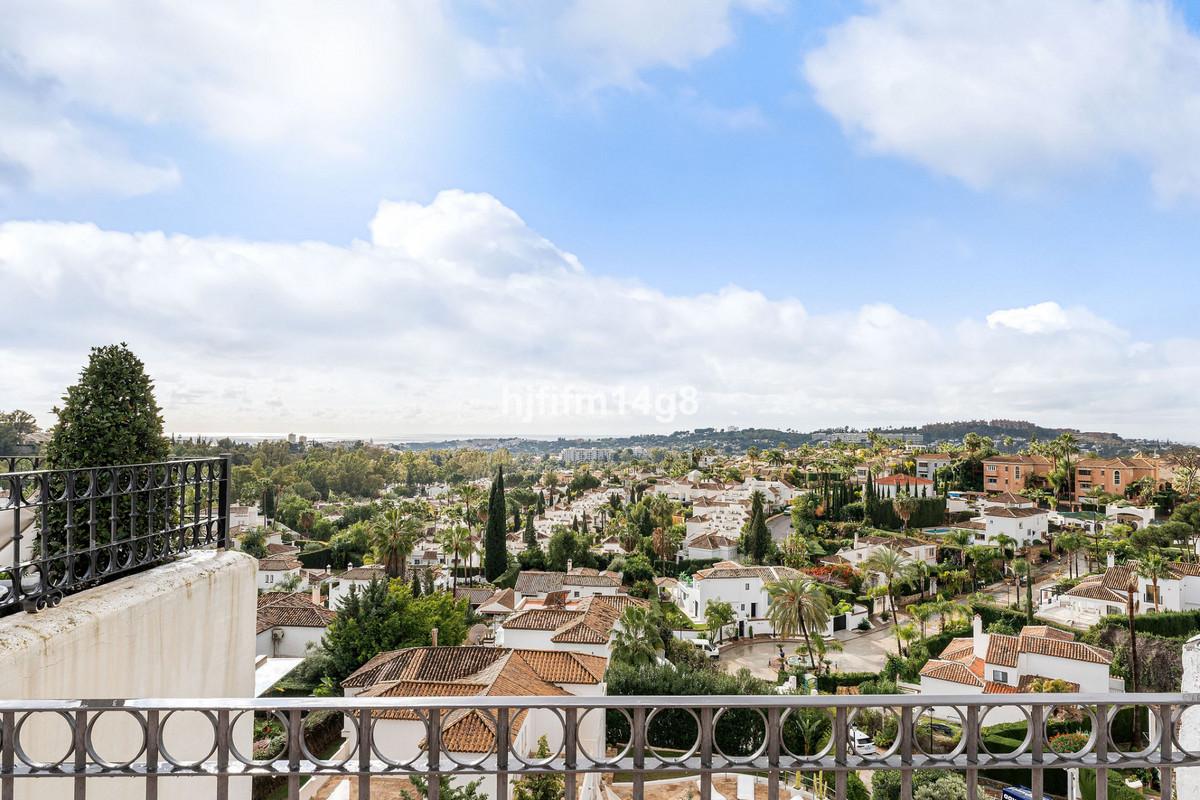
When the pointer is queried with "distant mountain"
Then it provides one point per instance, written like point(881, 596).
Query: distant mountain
point(736, 440)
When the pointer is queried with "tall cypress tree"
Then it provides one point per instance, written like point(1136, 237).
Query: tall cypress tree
point(495, 551)
point(531, 541)
point(758, 538)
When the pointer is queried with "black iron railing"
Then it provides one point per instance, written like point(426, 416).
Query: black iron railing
point(724, 734)
point(64, 530)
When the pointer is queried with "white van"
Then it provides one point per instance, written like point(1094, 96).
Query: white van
point(705, 646)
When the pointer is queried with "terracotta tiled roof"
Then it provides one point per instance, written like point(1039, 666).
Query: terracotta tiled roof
point(958, 648)
point(281, 549)
point(730, 569)
point(284, 615)
point(711, 541)
point(365, 573)
point(902, 480)
point(1095, 590)
point(1036, 460)
point(950, 671)
point(991, 687)
point(1009, 498)
point(475, 595)
point(292, 598)
point(1076, 651)
point(453, 664)
point(1047, 632)
point(540, 619)
point(1013, 513)
point(278, 564)
point(1120, 577)
point(847, 690)
point(1003, 649)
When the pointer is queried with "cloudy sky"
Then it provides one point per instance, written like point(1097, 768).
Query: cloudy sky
point(406, 217)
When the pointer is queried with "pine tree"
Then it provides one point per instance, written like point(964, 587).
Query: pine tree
point(495, 551)
point(416, 584)
point(539, 785)
point(541, 503)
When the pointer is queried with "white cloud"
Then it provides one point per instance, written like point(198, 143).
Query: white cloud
point(611, 42)
point(1008, 93)
point(42, 150)
point(457, 306)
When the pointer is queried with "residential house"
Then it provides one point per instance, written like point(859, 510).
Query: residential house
point(1114, 475)
point(577, 582)
point(582, 626)
point(1108, 593)
point(891, 486)
point(1002, 664)
point(864, 547)
point(711, 546)
point(355, 577)
point(276, 570)
point(468, 735)
point(929, 463)
point(1012, 473)
point(290, 622)
point(1011, 515)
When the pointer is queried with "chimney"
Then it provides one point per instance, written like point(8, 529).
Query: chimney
point(433, 637)
point(570, 563)
point(980, 639)
point(977, 626)
point(1112, 560)
point(855, 540)
point(316, 593)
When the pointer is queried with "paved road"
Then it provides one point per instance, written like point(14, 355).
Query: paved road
point(863, 652)
point(780, 526)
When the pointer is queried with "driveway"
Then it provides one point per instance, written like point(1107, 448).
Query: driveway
point(780, 526)
point(863, 652)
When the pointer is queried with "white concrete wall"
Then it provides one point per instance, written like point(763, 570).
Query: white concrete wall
point(294, 644)
point(184, 629)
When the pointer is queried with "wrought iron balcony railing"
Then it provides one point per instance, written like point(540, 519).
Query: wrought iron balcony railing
point(64, 530)
point(724, 734)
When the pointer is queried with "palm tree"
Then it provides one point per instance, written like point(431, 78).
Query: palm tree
point(1007, 546)
point(636, 637)
point(957, 539)
point(892, 566)
point(907, 633)
point(978, 555)
point(394, 533)
point(454, 542)
point(471, 496)
point(1154, 568)
point(905, 505)
point(1022, 569)
point(717, 614)
point(798, 605)
point(922, 613)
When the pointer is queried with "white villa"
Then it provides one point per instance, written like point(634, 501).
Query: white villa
point(1108, 593)
point(469, 734)
point(576, 582)
point(1011, 515)
point(866, 546)
point(583, 626)
point(997, 663)
point(358, 577)
point(745, 589)
point(288, 623)
point(275, 570)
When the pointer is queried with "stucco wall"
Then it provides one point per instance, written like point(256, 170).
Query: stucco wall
point(185, 629)
point(1188, 779)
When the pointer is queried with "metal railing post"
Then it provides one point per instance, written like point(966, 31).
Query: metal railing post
point(433, 744)
point(293, 745)
point(223, 501)
point(570, 753)
point(152, 734)
point(1037, 725)
point(773, 736)
point(224, 734)
point(364, 754)
point(7, 756)
point(503, 742)
point(906, 751)
point(972, 751)
point(1166, 773)
point(840, 735)
point(1102, 752)
point(80, 747)
point(639, 752)
point(706, 752)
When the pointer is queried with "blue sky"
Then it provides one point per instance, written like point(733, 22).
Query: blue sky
point(830, 156)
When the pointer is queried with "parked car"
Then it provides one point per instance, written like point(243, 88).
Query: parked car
point(705, 646)
point(863, 744)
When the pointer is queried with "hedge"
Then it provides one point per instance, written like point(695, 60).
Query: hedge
point(1168, 624)
point(828, 684)
point(1117, 790)
point(315, 559)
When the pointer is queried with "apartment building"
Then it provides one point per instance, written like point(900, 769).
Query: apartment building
point(1014, 473)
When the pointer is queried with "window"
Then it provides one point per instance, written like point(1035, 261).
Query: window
point(1152, 595)
point(1085, 472)
point(992, 480)
point(999, 676)
point(991, 467)
point(1017, 472)
point(1116, 477)
point(747, 587)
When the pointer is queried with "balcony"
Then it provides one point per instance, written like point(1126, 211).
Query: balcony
point(758, 729)
point(103, 522)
